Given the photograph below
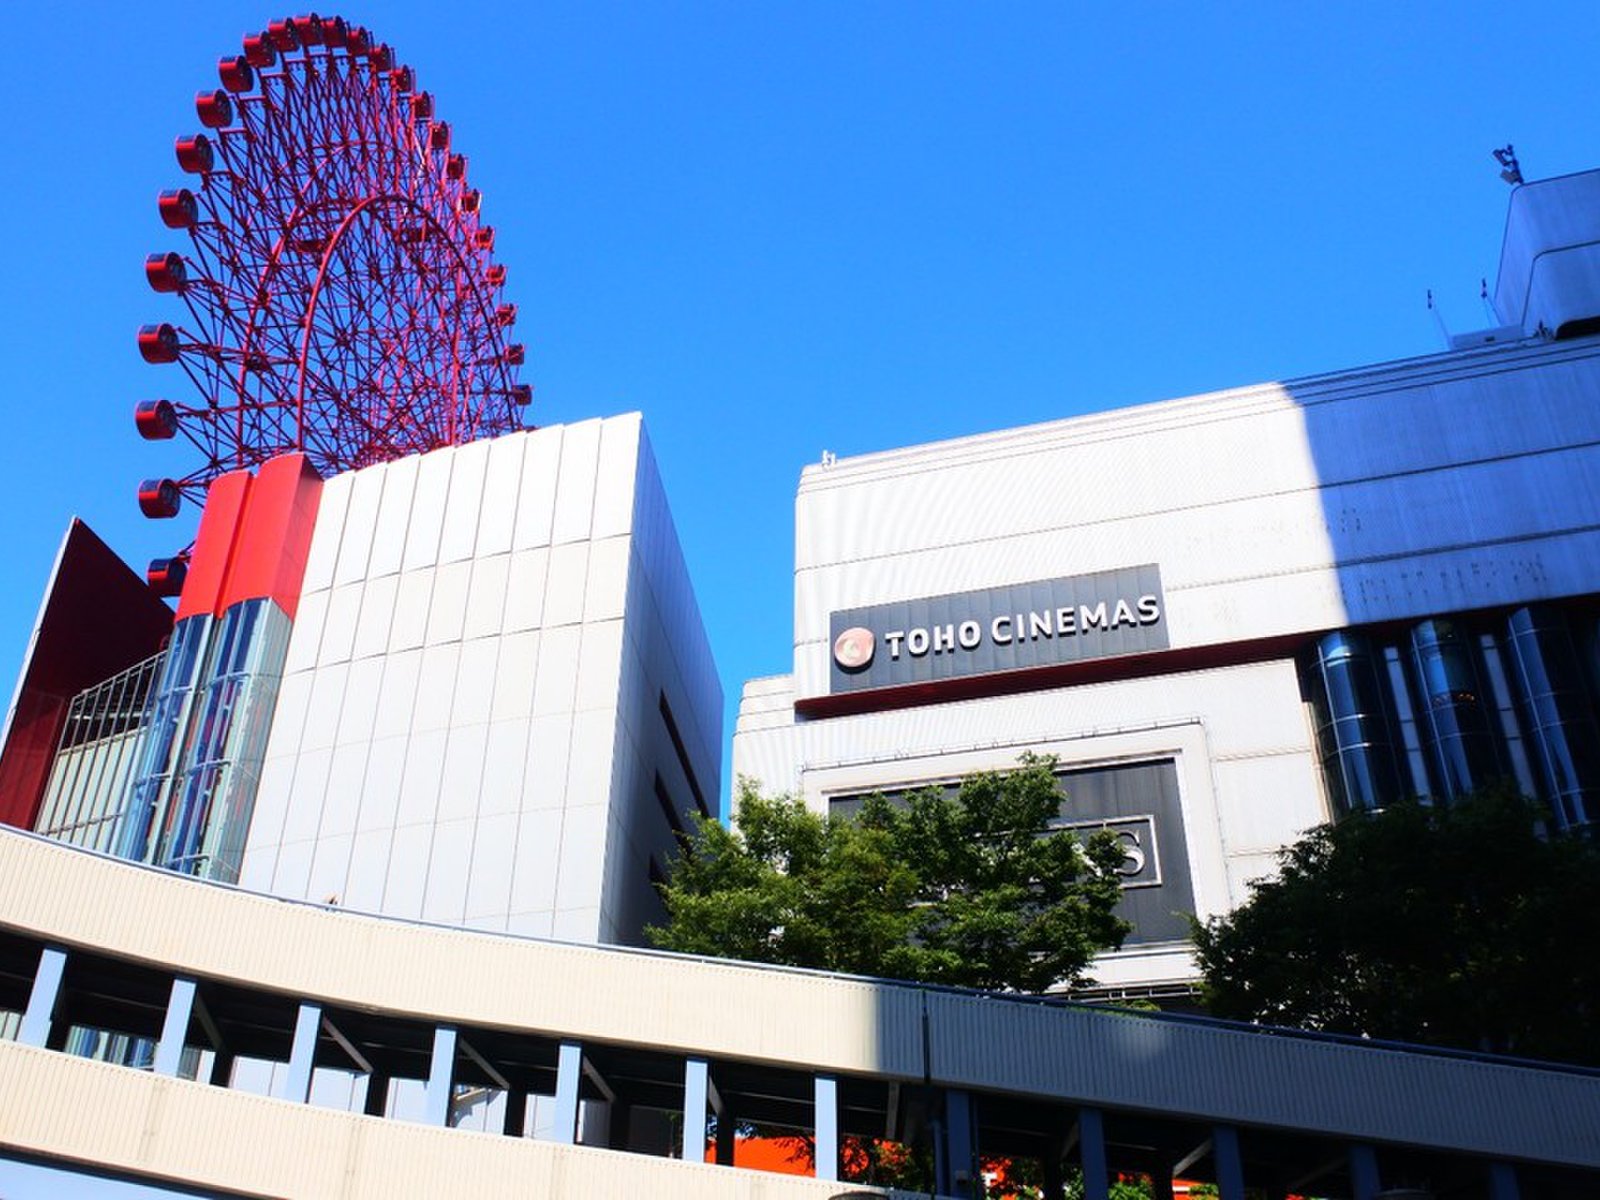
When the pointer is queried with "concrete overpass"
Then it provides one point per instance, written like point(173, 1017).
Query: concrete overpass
point(650, 1057)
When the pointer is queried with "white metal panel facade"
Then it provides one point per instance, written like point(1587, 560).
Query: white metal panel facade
point(1460, 482)
point(1436, 485)
point(472, 718)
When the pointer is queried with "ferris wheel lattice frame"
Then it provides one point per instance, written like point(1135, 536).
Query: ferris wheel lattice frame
point(340, 290)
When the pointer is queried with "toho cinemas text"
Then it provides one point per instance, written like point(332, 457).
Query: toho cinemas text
point(1010, 628)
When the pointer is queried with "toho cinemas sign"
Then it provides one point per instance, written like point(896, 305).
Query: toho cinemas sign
point(1010, 628)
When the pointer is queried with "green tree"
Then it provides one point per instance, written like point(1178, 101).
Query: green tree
point(1121, 1187)
point(974, 889)
point(1457, 926)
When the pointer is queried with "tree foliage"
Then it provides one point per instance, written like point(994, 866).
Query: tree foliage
point(975, 889)
point(1460, 926)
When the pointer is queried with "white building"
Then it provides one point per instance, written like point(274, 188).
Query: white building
point(1233, 616)
point(498, 694)
point(468, 687)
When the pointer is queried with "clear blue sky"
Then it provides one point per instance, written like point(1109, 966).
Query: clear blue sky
point(783, 228)
point(788, 227)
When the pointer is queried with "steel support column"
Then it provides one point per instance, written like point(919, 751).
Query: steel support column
point(175, 1029)
point(1503, 1182)
point(1229, 1163)
point(825, 1092)
point(441, 1077)
point(569, 1070)
point(221, 1069)
point(1365, 1182)
point(296, 1083)
point(696, 1085)
point(955, 1151)
point(727, 1139)
point(516, 1112)
point(42, 1000)
point(376, 1102)
point(1092, 1154)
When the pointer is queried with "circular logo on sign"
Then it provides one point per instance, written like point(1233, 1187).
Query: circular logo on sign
point(852, 649)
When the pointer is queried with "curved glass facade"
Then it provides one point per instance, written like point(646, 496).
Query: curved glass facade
point(1353, 724)
point(201, 752)
point(1454, 710)
point(1563, 738)
point(1452, 704)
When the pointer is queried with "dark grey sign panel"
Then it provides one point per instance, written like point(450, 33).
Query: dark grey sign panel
point(1037, 624)
point(1139, 803)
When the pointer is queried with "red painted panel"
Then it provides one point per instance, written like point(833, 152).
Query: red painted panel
point(213, 546)
point(269, 554)
point(98, 618)
point(29, 750)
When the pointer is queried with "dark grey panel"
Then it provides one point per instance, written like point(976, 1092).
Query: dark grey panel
point(1008, 628)
point(1140, 799)
point(1138, 802)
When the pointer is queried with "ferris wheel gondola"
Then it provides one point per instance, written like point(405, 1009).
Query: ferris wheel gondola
point(339, 288)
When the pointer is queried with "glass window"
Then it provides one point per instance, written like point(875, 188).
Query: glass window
point(1415, 760)
point(201, 754)
point(1563, 735)
point(1506, 711)
point(1460, 737)
point(1354, 739)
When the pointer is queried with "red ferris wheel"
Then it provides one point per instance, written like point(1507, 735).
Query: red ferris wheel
point(341, 294)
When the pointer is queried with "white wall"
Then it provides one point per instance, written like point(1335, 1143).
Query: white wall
point(1238, 736)
point(453, 740)
point(1436, 485)
point(1442, 484)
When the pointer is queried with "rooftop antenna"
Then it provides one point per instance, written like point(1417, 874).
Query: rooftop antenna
point(1510, 169)
point(1438, 317)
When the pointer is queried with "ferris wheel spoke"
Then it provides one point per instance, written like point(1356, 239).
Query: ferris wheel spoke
point(339, 287)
